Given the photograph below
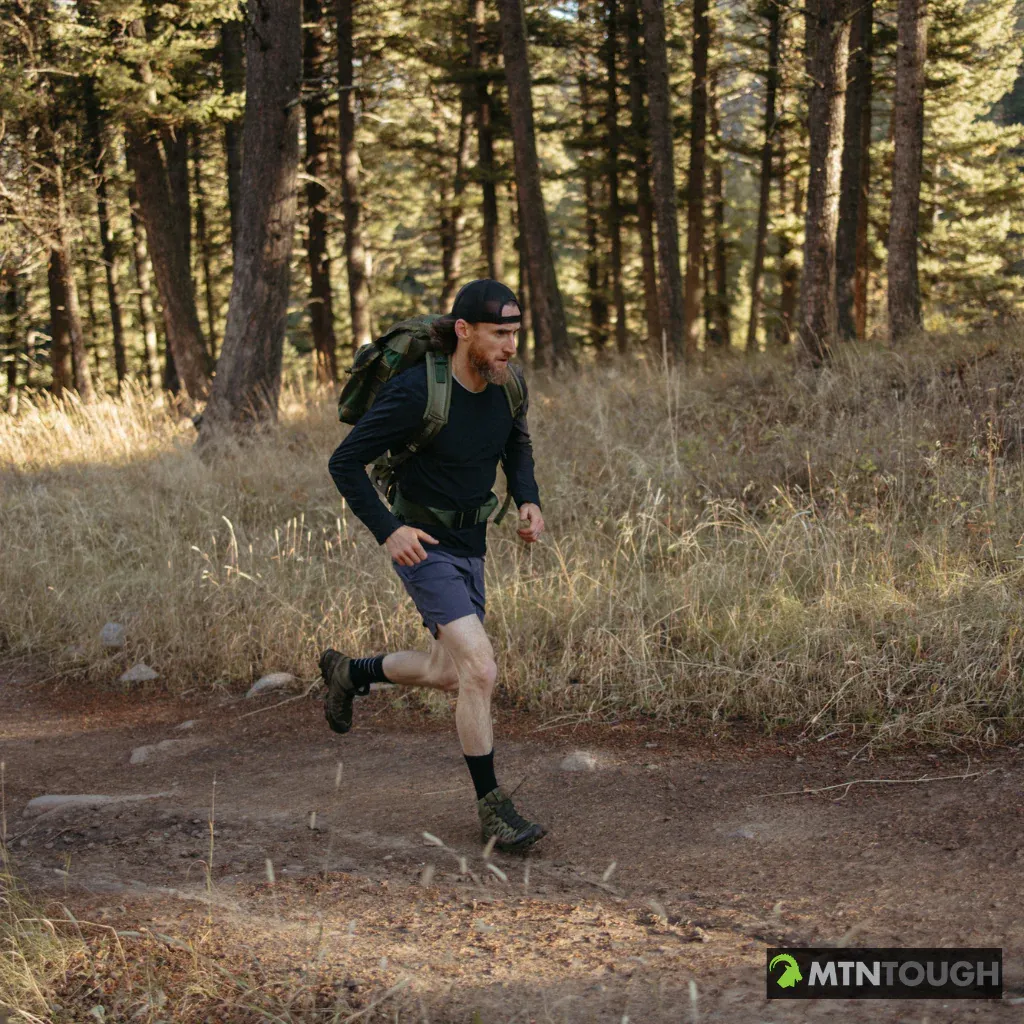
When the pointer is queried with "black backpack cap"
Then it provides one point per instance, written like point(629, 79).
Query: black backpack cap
point(481, 302)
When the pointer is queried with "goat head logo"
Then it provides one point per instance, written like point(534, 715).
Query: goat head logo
point(791, 975)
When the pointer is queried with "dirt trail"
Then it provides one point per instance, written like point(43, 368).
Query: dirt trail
point(709, 868)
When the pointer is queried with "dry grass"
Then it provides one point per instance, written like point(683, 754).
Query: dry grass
point(57, 969)
point(755, 542)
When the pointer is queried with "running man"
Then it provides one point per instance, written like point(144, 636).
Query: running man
point(436, 530)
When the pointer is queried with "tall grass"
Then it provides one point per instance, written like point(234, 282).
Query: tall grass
point(748, 541)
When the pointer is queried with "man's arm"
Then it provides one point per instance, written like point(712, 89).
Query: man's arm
point(517, 461)
point(393, 419)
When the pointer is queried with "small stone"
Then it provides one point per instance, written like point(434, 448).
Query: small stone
point(140, 755)
point(112, 635)
point(140, 673)
point(190, 724)
point(743, 833)
point(75, 651)
point(579, 761)
point(51, 801)
point(41, 804)
point(274, 681)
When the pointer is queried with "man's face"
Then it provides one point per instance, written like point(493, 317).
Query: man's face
point(491, 346)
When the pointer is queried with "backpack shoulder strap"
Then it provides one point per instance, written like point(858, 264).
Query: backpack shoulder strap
point(439, 399)
point(515, 392)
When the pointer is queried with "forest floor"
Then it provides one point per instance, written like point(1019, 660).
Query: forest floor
point(712, 865)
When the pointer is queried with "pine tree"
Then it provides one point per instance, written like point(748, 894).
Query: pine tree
point(247, 385)
point(827, 46)
point(904, 291)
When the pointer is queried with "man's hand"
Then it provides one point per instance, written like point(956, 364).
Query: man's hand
point(404, 545)
point(532, 522)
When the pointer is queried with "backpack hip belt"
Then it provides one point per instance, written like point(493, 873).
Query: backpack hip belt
point(449, 518)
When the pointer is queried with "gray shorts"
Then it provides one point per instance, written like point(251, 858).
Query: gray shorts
point(444, 587)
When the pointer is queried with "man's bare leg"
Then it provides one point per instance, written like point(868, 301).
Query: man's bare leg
point(471, 651)
point(434, 669)
point(461, 658)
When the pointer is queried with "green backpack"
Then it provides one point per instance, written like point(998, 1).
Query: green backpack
point(405, 344)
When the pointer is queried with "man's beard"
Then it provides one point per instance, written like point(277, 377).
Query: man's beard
point(491, 374)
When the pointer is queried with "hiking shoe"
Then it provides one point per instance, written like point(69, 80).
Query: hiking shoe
point(500, 819)
point(334, 668)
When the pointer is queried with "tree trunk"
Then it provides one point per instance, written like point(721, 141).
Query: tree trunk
point(827, 49)
point(94, 127)
point(851, 235)
point(491, 239)
point(771, 11)
point(204, 244)
point(355, 249)
point(695, 184)
point(159, 191)
point(789, 269)
point(613, 144)
point(65, 317)
point(248, 382)
point(92, 335)
point(321, 299)
point(596, 299)
point(523, 294)
point(455, 221)
point(232, 64)
point(720, 334)
point(9, 336)
point(66, 324)
point(908, 136)
point(60, 329)
point(670, 284)
point(551, 344)
point(641, 159)
point(525, 304)
point(144, 277)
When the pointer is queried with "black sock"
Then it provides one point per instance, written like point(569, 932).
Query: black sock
point(368, 670)
point(481, 768)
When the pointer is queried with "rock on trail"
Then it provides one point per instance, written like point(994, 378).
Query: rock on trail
point(274, 681)
point(52, 801)
point(140, 755)
point(140, 673)
point(112, 635)
point(579, 761)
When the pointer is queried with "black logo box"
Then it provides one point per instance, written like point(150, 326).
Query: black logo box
point(822, 965)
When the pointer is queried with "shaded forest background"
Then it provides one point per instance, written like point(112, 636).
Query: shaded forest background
point(704, 188)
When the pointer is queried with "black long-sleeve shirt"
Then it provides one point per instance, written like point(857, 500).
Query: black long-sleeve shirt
point(455, 471)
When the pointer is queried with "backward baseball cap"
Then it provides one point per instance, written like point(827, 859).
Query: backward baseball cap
point(482, 302)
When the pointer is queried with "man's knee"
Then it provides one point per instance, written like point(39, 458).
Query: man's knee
point(479, 673)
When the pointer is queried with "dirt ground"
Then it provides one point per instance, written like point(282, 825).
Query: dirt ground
point(669, 867)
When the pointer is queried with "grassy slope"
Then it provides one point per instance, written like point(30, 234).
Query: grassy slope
point(752, 541)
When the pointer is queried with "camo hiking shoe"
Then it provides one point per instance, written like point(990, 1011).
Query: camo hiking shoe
point(334, 668)
point(500, 819)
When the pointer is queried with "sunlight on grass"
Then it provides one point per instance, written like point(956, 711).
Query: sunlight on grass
point(748, 541)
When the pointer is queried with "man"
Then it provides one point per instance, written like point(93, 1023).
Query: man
point(442, 566)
